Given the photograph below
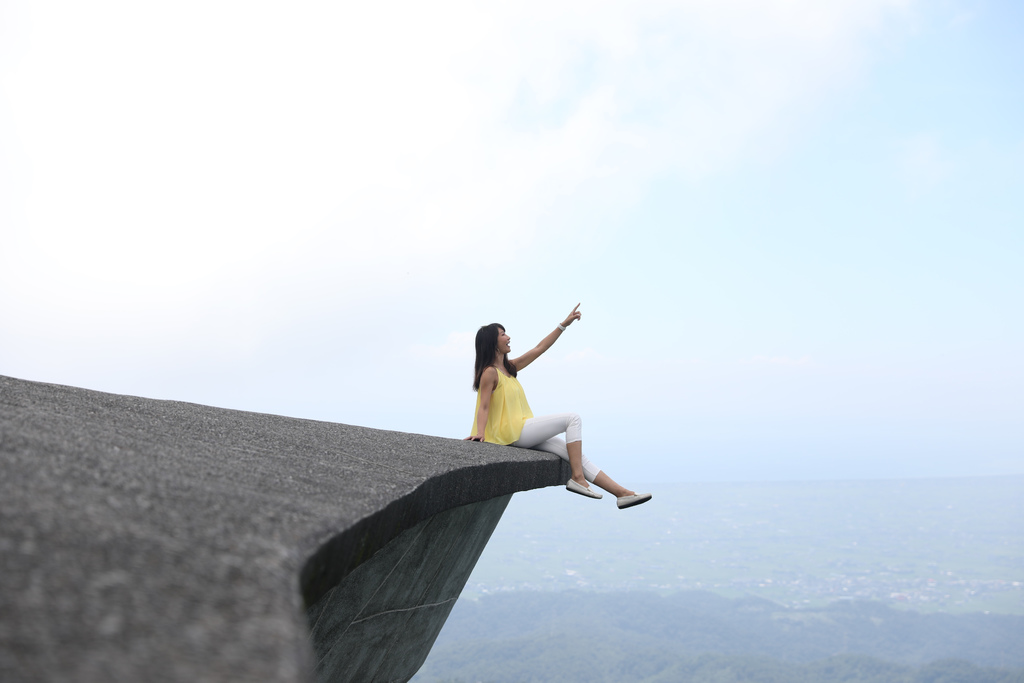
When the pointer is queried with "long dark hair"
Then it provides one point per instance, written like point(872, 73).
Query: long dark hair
point(486, 348)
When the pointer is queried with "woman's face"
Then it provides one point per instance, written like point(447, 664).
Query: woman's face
point(504, 341)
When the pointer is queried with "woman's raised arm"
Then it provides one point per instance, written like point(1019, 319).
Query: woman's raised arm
point(545, 343)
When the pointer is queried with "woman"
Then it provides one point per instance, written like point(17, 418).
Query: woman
point(503, 416)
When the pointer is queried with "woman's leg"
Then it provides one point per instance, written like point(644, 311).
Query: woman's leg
point(611, 486)
point(589, 470)
point(582, 469)
point(539, 432)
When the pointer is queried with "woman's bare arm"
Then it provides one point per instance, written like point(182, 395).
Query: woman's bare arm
point(545, 343)
point(488, 383)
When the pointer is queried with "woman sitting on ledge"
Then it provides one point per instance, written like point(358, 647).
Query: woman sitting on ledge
point(504, 417)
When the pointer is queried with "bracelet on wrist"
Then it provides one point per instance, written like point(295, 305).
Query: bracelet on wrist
point(561, 327)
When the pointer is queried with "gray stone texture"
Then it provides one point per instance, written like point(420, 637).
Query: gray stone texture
point(166, 541)
point(363, 628)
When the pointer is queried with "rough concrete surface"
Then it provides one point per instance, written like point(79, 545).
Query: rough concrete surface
point(166, 541)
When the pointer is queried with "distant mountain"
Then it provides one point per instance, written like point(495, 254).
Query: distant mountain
point(736, 669)
point(697, 636)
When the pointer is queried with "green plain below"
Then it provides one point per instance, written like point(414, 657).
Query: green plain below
point(930, 545)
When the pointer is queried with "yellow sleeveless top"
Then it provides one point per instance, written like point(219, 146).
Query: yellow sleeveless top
point(508, 411)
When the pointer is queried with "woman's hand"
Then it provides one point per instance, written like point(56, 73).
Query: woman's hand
point(475, 437)
point(575, 315)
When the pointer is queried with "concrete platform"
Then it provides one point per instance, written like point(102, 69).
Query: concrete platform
point(166, 541)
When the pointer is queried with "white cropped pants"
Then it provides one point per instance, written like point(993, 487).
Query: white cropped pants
point(539, 433)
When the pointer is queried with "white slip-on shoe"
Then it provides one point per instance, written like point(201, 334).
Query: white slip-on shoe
point(629, 501)
point(582, 490)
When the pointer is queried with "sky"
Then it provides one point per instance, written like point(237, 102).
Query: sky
point(795, 228)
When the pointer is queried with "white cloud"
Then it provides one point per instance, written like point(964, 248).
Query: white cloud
point(457, 346)
point(217, 166)
point(778, 360)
